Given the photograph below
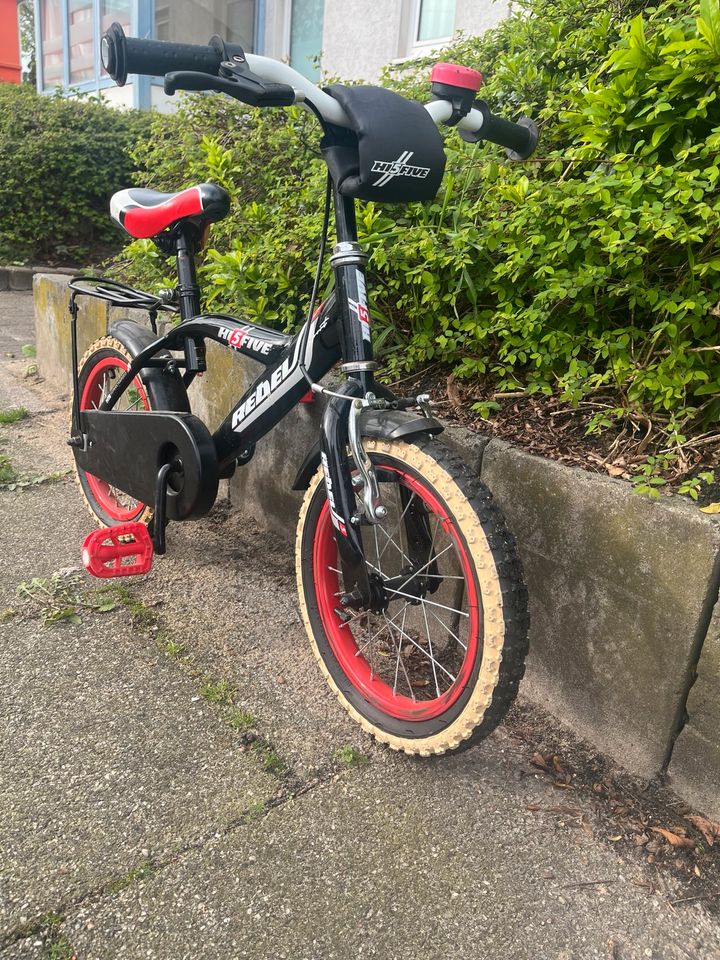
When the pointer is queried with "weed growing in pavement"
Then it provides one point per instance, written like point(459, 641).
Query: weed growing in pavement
point(271, 761)
point(139, 610)
point(13, 415)
point(47, 927)
point(33, 480)
point(351, 756)
point(7, 472)
point(220, 692)
point(61, 949)
point(239, 719)
point(254, 812)
point(62, 597)
point(28, 350)
point(144, 871)
point(170, 647)
point(7, 614)
point(11, 480)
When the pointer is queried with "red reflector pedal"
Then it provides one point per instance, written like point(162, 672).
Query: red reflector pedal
point(122, 551)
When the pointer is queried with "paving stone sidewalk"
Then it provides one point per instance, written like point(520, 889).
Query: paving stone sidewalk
point(139, 820)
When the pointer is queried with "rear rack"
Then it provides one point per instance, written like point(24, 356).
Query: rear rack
point(121, 295)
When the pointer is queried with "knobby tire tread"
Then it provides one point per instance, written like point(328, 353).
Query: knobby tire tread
point(479, 718)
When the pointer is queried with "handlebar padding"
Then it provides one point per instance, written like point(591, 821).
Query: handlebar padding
point(520, 139)
point(122, 55)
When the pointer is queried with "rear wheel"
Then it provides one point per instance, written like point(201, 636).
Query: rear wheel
point(440, 664)
point(100, 369)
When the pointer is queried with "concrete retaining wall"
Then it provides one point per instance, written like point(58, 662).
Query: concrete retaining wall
point(695, 766)
point(622, 588)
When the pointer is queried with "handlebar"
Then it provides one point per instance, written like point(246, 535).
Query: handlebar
point(263, 82)
point(122, 55)
point(519, 139)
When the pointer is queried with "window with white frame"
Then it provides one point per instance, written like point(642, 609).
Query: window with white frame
point(434, 21)
point(69, 31)
point(69, 34)
point(52, 60)
point(81, 40)
point(306, 27)
point(195, 21)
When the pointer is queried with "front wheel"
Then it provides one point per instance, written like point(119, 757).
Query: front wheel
point(440, 664)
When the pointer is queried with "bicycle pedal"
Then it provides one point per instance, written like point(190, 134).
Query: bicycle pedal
point(122, 551)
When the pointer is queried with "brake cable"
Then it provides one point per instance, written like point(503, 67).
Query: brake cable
point(316, 387)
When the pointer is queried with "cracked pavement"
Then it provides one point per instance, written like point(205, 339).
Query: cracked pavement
point(136, 822)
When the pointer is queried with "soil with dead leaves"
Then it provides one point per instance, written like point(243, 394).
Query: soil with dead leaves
point(643, 821)
point(633, 447)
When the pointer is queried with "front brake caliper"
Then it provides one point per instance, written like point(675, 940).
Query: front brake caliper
point(375, 512)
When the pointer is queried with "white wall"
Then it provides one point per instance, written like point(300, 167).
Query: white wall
point(119, 96)
point(360, 37)
point(475, 16)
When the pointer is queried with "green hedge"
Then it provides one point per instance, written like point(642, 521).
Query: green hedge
point(60, 160)
point(592, 267)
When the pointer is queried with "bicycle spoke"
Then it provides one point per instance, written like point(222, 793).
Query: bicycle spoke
point(432, 603)
point(360, 649)
point(378, 554)
point(358, 616)
point(397, 525)
point(432, 655)
point(438, 520)
point(400, 662)
point(390, 540)
point(425, 653)
point(425, 566)
point(454, 636)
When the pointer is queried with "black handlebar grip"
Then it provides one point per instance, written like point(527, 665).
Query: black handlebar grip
point(520, 139)
point(122, 55)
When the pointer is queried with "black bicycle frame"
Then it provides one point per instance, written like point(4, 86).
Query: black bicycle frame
point(338, 330)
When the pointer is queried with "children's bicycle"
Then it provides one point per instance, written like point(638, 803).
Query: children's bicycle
point(409, 582)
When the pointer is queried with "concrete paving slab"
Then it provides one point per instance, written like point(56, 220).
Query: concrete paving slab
point(107, 754)
point(108, 757)
point(228, 590)
point(16, 322)
point(444, 859)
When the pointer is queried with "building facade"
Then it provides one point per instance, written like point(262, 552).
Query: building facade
point(352, 39)
point(10, 71)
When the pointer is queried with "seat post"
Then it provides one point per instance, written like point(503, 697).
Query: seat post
point(189, 297)
point(188, 289)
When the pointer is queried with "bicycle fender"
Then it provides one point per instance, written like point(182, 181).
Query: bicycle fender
point(379, 424)
point(168, 389)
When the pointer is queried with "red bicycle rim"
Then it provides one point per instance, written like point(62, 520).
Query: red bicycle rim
point(90, 399)
point(342, 642)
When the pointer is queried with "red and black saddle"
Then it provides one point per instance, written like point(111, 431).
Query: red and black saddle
point(145, 213)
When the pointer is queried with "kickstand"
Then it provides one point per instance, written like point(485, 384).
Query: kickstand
point(159, 522)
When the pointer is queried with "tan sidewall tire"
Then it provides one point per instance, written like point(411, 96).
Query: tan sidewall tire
point(105, 343)
point(490, 589)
